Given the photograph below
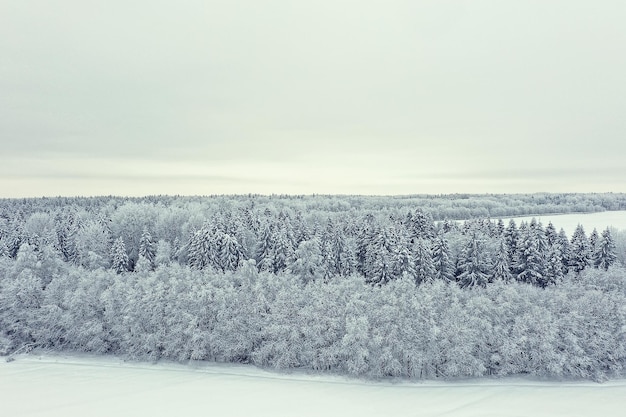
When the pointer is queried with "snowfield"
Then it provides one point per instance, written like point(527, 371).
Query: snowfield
point(77, 385)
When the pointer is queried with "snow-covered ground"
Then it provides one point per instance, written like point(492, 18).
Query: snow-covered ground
point(599, 221)
point(66, 386)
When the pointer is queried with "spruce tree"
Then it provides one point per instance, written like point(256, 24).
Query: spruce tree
point(422, 258)
point(605, 254)
point(564, 248)
point(511, 238)
point(119, 257)
point(532, 265)
point(444, 268)
point(580, 255)
point(146, 247)
point(473, 264)
point(501, 270)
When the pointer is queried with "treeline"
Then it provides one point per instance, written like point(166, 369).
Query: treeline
point(271, 281)
point(381, 247)
point(439, 207)
point(432, 330)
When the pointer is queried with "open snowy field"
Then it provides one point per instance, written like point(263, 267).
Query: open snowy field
point(599, 221)
point(58, 385)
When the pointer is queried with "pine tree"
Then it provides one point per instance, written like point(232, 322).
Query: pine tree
point(605, 254)
point(119, 257)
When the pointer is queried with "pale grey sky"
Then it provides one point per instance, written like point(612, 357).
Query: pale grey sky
point(141, 97)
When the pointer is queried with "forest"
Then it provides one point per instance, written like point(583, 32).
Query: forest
point(407, 286)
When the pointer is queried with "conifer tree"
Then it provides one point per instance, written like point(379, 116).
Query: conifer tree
point(580, 250)
point(501, 270)
point(146, 247)
point(564, 249)
point(551, 234)
point(444, 268)
point(377, 266)
point(605, 254)
point(421, 226)
point(554, 267)
point(230, 252)
point(473, 264)
point(119, 257)
point(511, 238)
point(593, 242)
point(532, 265)
point(422, 258)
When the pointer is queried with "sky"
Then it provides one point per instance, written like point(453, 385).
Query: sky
point(141, 97)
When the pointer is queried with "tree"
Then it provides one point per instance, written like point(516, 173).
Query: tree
point(473, 264)
point(511, 238)
point(119, 257)
point(444, 268)
point(422, 258)
point(532, 265)
point(593, 241)
point(146, 247)
point(554, 267)
point(199, 248)
point(230, 252)
point(580, 250)
point(377, 266)
point(605, 254)
point(308, 261)
point(501, 270)
point(551, 235)
point(421, 226)
point(564, 249)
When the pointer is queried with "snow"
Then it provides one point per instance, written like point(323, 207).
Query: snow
point(72, 385)
point(599, 221)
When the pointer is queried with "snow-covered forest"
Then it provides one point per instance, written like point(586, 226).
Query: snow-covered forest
point(366, 286)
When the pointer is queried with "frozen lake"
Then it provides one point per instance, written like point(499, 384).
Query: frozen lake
point(600, 221)
point(67, 386)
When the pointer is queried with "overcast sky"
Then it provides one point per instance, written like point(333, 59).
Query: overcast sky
point(141, 97)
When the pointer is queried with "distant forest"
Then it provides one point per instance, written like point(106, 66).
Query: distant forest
point(407, 286)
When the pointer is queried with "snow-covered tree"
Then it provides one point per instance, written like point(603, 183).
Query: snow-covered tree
point(579, 250)
point(422, 259)
point(473, 264)
point(605, 254)
point(230, 252)
point(500, 269)
point(119, 257)
point(532, 264)
point(308, 264)
point(444, 268)
point(147, 247)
